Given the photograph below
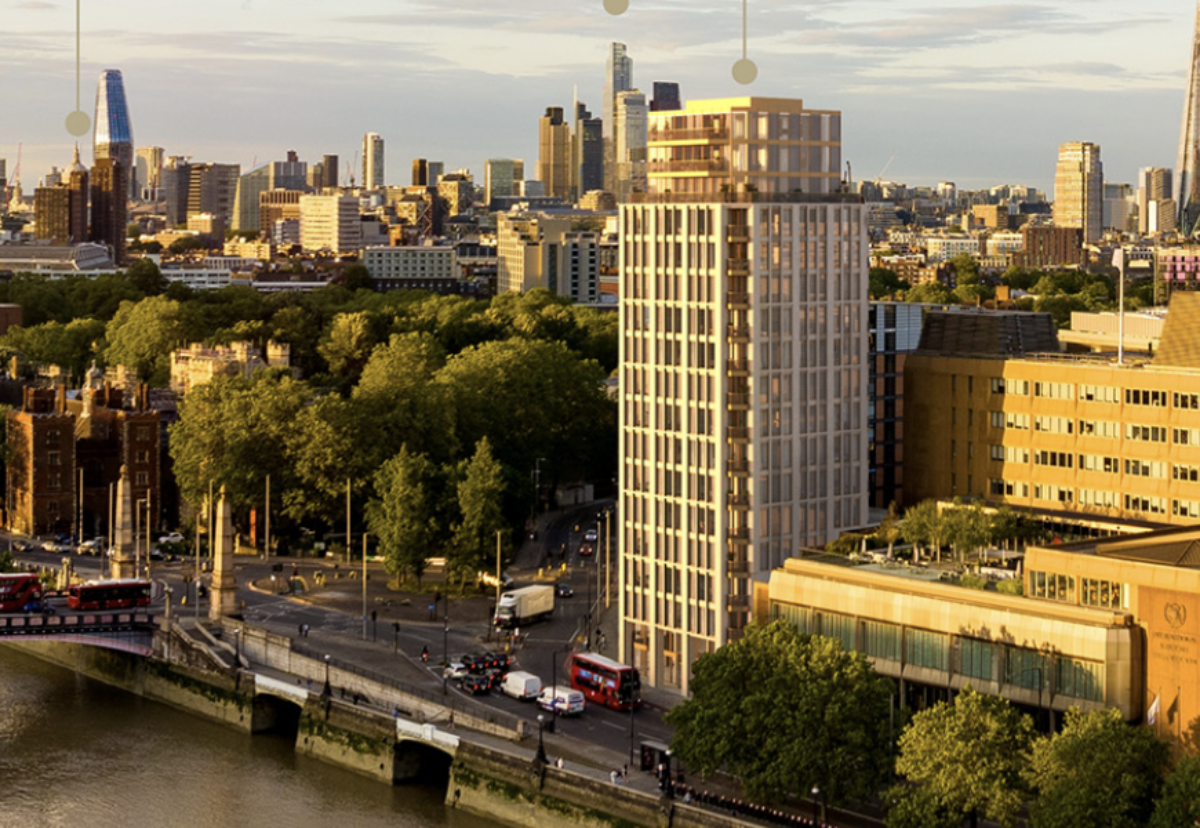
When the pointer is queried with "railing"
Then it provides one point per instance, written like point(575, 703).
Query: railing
point(95, 622)
point(737, 298)
point(739, 500)
point(739, 534)
point(738, 264)
point(688, 135)
point(739, 467)
point(739, 566)
point(687, 166)
point(736, 332)
point(738, 365)
point(738, 400)
point(737, 433)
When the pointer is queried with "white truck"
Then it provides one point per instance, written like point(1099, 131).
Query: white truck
point(525, 605)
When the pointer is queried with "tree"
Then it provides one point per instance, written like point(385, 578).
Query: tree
point(186, 244)
point(924, 524)
point(348, 344)
point(1180, 801)
point(479, 498)
point(71, 347)
point(357, 277)
point(889, 528)
point(966, 269)
point(323, 448)
point(965, 759)
point(399, 401)
point(145, 276)
point(884, 281)
point(934, 293)
point(784, 712)
point(402, 515)
point(143, 334)
point(1098, 771)
point(966, 527)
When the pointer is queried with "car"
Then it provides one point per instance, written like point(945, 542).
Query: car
point(563, 590)
point(585, 550)
point(174, 537)
point(495, 677)
point(590, 535)
point(454, 671)
point(38, 606)
point(156, 554)
point(90, 547)
point(21, 546)
point(477, 685)
point(498, 661)
point(54, 546)
point(475, 663)
point(489, 579)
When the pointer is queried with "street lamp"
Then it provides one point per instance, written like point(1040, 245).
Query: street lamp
point(328, 691)
point(816, 792)
point(668, 788)
point(541, 751)
point(446, 645)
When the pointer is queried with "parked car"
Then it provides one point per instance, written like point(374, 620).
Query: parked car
point(55, 546)
point(174, 537)
point(563, 590)
point(477, 685)
point(590, 535)
point(156, 554)
point(90, 547)
point(21, 546)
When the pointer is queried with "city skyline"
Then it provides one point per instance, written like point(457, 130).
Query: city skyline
point(928, 93)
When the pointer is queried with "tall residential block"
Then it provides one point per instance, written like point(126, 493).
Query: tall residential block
point(501, 176)
point(554, 153)
point(535, 251)
point(330, 223)
point(618, 77)
point(212, 190)
point(61, 211)
point(1079, 189)
point(149, 172)
point(1156, 202)
point(112, 127)
point(629, 143)
point(372, 161)
point(110, 199)
point(1188, 165)
point(420, 172)
point(766, 145)
point(743, 386)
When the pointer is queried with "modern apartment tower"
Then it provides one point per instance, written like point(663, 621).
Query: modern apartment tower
point(554, 153)
point(1079, 189)
point(629, 144)
point(1188, 164)
point(113, 129)
point(744, 407)
point(618, 77)
point(1156, 204)
point(372, 161)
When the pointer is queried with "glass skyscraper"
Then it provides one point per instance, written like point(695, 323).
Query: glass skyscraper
point(1189, 142)
point(113, 127)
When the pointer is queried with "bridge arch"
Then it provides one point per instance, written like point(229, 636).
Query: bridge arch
point(418, 762)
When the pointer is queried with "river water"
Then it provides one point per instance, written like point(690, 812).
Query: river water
point(78, 754)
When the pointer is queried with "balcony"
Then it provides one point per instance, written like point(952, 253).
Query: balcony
point(739, 534)
point(739, 567)
point(739, 434)
point(739, 500)
point(738, 468)
point(738, 301)
point(738, 400)
point(739, 602)
point(738, 267)
point(738, 333)
point(687, 166)
point(737, 367)
point(658, 135)
point(739, 234)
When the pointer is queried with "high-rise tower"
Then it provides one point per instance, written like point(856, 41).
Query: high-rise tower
point(744, 403)
point(1189, 141)
point(372, 161)
point(1079, 189)
point(618, 77)
point(113, 137)
point(554, 153)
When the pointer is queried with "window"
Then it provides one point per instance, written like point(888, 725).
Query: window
point(1185, 508)
point(1024, 668)
point(1141, 396)
point(1099, 428)
point(1190, 401)
point(1187, 474)
point(1017, 421)
point(1145, 468)
point(1185, 436)
point(1056, 494)
point(1099, 393)
point(1099, 463)
point(881, 640)
point(1016, 454)
point(54, 458)
point(997, 385)
point(1145, 434)
point(143, 479)
point(1058, 459)
point(1153, 505)
point(1100, 498)
point(1052, 586)
point(1054, 425)
point(838, 627)
point(1054, 390)
point(1013, 386)
point(1097, 593)
point(996, 419)
point(927, 649)
point(975, 658)
point(996, 452)
point(1079, 679)
point(801, 618)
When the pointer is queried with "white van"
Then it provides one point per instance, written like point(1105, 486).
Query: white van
point(565, 700)
point(521, 685)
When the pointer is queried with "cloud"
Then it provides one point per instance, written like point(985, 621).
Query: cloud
point(35, 5)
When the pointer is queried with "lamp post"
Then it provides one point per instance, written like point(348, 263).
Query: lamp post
point(553, 691)
point(816, 812)
point(446, 644)
point(541, 751)
point(668, 781)
point(631, 706)
point(328, 691)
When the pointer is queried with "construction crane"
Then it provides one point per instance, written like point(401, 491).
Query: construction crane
point(885, 169)
point(14, 183)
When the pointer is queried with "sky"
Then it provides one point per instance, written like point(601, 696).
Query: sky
point(978, 92)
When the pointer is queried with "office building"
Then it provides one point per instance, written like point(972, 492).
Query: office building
point(113, 128)
point(149, 172)
point(1043, 246)
point(554, 153)
point(618, 77)
point(500, 178)
point(330, 222)
point(323, 174)
point(716, 146)
point(587, 144)
point(291, 174)
point(994, 412)
point(212, 190)
point(893, 332)
point(110, 189)
point(1079, 189)
point(1156, 203)
point(629, 144)
point(420, 172)
point(419, 267)
point(744, 402)
point(666, 97)
point(61, 210)
point(1188, 164)
point(1120, 208)
point(372, 161)
point(436, 170)
point(457, 190)
point(278, 205)
point(176, 184)
point(535, 251)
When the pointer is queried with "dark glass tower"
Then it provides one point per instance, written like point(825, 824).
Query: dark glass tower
point(114, 129)
point(666, 97)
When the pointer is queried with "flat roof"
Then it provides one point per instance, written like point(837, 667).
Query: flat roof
point(1179, 547)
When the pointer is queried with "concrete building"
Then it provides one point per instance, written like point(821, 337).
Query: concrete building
point(894, 331)
point(554, 153)
point(587, 146)
point(109, 185)
point(666, 97)
point(945, 248)
point(457, 190)
point(766, 145)
point(329, 223)
point(199, 364)
point(291, 174)
point(1156, 212)
point(1120, 208)
point(212, 188)
point(535, 251)
point(500, 177)
point(629, 144)
point(744, 400)
point(277, 205)
point(372, 161)
point(995, 412)
point(1079, 189)
point(1043, 247)
point(149, 172)
point(422, 267)
point(176, 186)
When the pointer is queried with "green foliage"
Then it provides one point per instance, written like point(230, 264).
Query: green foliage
point(146, 278)
point(785, 712)
point(72, 347)
point(324, 447)
point(7, 562)
point(1179, 804)
point(402, 515)
point(934, 293)
point(1010, 586)
point(973, 582)
point(479, 503)
point(924, 525)
point(889, 528)
point(967, 527)
point(186, 244)
point(883, 281)
point(357, 277)
point(845, 545)
point(963, 760)
point(143, 334)
point(1098, 771)
point(349, 343)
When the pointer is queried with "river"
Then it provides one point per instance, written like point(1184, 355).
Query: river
point(78, 754)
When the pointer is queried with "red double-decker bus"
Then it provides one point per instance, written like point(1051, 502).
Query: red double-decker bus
point(607, 682)
point(101, 595)
point(20, 591)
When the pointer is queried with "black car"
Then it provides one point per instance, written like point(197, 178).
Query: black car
point(495, 677)
point(477, 685)
point(498, 661)
point(564, 590)
point(476, 663)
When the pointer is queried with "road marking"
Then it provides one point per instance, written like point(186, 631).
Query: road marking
point(610, 724)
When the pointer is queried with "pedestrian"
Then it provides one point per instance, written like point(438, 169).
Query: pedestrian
point(300, 630)
point(432, 612)
point(612, 776)
point(559, 763)
point(424, 654)
point(625, 770)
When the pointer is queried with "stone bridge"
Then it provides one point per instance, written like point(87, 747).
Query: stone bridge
point(127, 631)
